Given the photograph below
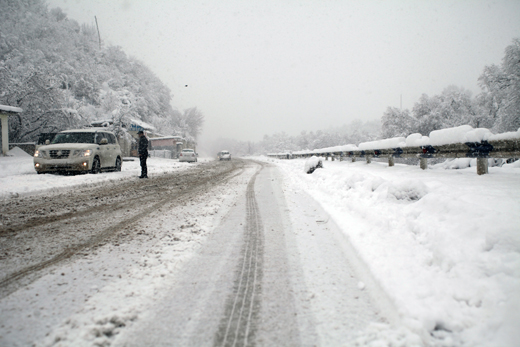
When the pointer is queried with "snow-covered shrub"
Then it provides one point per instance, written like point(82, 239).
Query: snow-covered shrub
point(312, 164)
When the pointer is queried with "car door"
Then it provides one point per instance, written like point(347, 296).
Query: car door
point(104, 150)
point(112, 143)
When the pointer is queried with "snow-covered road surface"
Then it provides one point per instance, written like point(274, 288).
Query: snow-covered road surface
point(259, 279)
point(230, 264)
point(354, 254)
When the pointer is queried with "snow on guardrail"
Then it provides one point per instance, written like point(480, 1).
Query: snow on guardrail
point(459, 142)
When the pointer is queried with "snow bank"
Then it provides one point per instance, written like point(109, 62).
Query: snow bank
point(17, 162)
point(443, 244)
point(18, 152)
point(312, 164)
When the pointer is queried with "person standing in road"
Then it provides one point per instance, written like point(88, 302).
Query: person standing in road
point(143, 153)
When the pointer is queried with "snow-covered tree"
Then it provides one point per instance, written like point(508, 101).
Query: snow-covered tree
point(453, 107)
point(54, 69)
point(500, 98)
point(396, 122)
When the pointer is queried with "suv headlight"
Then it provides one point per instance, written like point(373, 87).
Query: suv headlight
point(40, 154)
point(82, 153)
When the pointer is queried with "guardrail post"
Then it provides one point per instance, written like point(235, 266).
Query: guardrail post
point(424, 163)
point(369, 160)
point(482, 166)
point(332, 157)
point(390, 161)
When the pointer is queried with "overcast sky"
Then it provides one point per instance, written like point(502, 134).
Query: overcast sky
point(264, 66)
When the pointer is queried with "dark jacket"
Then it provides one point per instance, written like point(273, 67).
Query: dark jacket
point(143, 146)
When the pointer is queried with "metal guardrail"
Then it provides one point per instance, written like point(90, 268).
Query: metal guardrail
point(482, 151)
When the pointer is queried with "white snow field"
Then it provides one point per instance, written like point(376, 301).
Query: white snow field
point(437, 249)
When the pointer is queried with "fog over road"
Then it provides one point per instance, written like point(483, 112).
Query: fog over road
point(216, 256)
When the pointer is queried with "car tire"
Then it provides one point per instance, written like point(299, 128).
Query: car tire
point(118, 164)
point(96, 166)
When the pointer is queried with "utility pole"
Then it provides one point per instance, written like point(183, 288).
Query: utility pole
point(99, 36)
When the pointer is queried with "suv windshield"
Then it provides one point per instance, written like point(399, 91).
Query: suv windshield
point(74, 138)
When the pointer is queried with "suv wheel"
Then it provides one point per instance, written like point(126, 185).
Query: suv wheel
point(118, 164)
point(96, 166)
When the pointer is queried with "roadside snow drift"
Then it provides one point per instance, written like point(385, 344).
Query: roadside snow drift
point(444, 244)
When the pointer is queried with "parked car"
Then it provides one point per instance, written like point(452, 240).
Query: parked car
point(81, 150)
point(188, 154)
point(224, 155)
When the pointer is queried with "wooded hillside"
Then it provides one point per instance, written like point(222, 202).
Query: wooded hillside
point(57, 71)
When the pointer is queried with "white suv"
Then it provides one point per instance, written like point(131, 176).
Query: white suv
point(83, 150)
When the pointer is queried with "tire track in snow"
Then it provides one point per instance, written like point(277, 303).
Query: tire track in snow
point(13, 280)
point(239, 324)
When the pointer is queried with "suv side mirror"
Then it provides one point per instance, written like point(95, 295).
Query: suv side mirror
point(103, 141)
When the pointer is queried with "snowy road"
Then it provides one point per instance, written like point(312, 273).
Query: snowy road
point(252, 268)
point(259, 280)
point(78, 220)
point(258, 252)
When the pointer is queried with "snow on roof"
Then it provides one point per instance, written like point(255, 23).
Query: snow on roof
point(10, 109)
point(139, 123)
point(101, 122)
point(166, 138)
point(86, 130)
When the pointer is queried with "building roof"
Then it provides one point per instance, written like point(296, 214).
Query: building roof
point(87, 130)
point(10, 109)
point(136, 125)
point(166, 138)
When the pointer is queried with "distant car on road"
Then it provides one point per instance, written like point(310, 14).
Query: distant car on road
point(224, 155)
point(81, 150)
point(188, 154)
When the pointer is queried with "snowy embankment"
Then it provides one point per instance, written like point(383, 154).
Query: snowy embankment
point(18, 177)
point(443, 244)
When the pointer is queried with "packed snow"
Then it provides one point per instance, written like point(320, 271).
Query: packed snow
point(312, 163)
point(443, 244)
point(18, 176)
